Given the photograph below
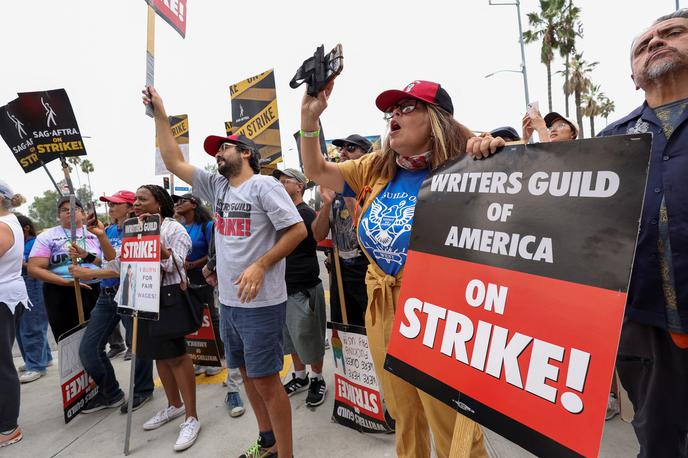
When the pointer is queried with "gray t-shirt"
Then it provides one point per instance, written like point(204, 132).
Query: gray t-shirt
point(247, 220)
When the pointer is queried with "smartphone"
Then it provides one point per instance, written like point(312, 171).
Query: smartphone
point(334, 63)
point(92, 218)
point(533, 107)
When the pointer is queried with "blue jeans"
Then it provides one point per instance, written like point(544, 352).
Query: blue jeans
point(103, 320)
point(32, 329)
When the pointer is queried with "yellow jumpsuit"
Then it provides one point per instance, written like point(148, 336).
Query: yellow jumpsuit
point(413, 409)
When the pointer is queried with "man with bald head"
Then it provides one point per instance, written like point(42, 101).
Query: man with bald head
point(653, 352)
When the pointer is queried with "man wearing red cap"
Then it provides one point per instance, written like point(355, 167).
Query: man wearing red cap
point(104, 319)
point(256, 227)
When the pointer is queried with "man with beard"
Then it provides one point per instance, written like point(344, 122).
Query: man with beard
point(256, 227)
point(653, 351)
point(337, 213)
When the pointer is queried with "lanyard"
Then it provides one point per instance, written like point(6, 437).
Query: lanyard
point(83, 237)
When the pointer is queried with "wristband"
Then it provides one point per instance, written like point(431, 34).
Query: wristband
point(89, 258)
point(310, 134)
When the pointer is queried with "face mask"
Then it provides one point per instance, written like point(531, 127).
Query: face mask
point(417, 162)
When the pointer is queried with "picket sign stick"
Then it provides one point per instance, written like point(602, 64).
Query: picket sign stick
point(340, 286)
point(132, 371)
point(72, 227)
point(57, 188)
point(150, 54)
point(462, 440)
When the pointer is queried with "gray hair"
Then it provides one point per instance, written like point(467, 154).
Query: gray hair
point(681, 13)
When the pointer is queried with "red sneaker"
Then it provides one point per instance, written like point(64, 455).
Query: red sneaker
point(12, 437)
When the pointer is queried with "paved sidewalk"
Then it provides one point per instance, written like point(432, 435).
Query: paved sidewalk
point(101, 434)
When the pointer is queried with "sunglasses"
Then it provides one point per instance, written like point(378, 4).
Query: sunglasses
point(348, 148)
point(183, 201)
point(405, 107)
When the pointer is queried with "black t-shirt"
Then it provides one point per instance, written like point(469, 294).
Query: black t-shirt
point(303, 271)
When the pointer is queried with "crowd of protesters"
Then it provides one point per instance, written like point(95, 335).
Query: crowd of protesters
point(256, 259)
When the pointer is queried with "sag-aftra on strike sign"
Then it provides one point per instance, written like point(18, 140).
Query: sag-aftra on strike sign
point(515, 286)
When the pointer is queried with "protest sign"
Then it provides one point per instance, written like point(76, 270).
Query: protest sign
point(76, 385)
point(16, 133)
point(515, 286)
point(254, 114)
point(201, 345)
point(173, 12)
point(180, 130)
point(229, 129)
point(139, 281)
point(52, 124)
point(357, 399)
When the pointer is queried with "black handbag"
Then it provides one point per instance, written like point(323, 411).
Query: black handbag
point(181, 313)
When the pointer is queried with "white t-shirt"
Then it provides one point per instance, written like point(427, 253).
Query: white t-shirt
point(247, 219)
point(12, 287)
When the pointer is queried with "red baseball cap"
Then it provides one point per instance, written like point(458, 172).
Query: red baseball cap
point(120, 197)
point(212, 143)
point(426, 91)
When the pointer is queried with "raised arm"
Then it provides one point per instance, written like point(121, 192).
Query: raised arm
point(314, 165)
point(169, 150)
point(321, 224)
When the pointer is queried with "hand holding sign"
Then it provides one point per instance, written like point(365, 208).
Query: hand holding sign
point(482, 147)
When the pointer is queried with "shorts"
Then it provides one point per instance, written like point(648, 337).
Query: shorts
point(304, 331)
point(255, 338)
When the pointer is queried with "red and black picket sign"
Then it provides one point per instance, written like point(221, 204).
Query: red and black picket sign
point(202, 344)
point(515, 286)
point(39, 127)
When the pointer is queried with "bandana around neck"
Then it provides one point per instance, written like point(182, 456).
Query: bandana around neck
point(417, 162)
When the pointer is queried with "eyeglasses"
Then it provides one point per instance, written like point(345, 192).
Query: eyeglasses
point(114, 204)
point(225, 146)
point(405, 107)
point(348, 148)
point(558, 126)
point(182, 201)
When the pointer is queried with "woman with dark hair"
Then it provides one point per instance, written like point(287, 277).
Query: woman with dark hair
point(423, 135)
point(173, 363)
point(50, 259)
point(32, 332)
point(199, 225)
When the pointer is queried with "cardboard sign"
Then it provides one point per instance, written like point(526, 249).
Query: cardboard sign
point(173, 12)
point(53, 125)
point(515, 285)
point(357, 398)
point(139, 283)
point(180, 130)
point(254, 114)
point(201, 345)
point(76, 385)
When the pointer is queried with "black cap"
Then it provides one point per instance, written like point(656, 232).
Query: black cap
point(187, 196)
point(64, 199)
point(508, 133)
point(355, 139)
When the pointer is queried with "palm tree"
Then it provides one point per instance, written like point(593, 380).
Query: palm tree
point(544, 29)
point(87, 168)
point(606, 108)
point(592, 105)
point(578, 84)
point(75, 160)
point(568, 30)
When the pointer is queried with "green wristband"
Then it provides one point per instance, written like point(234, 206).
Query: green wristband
point(311, 134)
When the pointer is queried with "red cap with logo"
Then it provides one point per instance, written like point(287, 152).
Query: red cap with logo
point(120, 197)
point(426, 91)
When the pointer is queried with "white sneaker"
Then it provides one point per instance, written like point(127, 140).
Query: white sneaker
point(612, 407)
point(188, 433)
point(31, 376)
point(164, 416)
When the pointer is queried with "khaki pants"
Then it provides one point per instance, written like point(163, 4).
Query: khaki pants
point(413, 409)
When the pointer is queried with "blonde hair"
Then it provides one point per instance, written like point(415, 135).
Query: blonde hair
point(448, 140)
point(13, 202)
